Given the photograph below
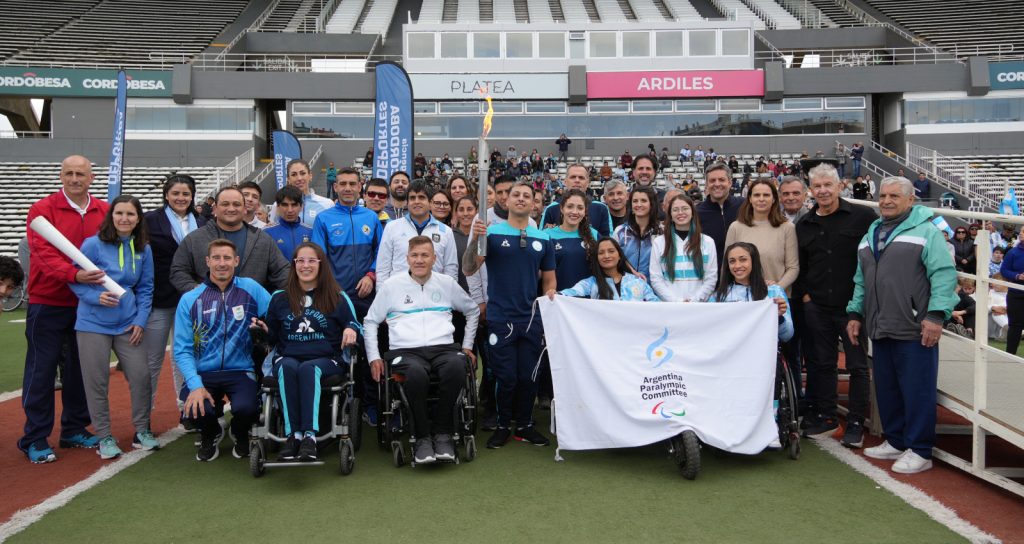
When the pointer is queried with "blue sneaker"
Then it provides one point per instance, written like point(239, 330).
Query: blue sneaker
point(370, 415)
point(40, 453)
point(108, 448)
point(84, 439)
point(145, 441)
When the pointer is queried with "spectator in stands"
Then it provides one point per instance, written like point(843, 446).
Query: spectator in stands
point(922, 187)
point(606, 172)
point(577, 177)
point(517, 254)
point(207, 210)
point(398, 186)
point(683, 265)
point(733, 164)
point(375, 197)
point(610, 277)
point(300, 176)
point(108, 323)
point(252, 194)
point(220, 362)
point(616, 198)
point(166, 227)
point(972, 231)
point(550, 163)
point(289, 232)
point(793, 194)
point(903, 317)
point(663, 160)
point(699, 155)
point(839, 153)
point(828, 237)
point(637, 233)
point(961, 320)
point(458, 187)
point(1013, 270)
point(563, 146)
point(685, 155)
point(645, 169)
point(50, 321)
point(626, 160)
point(11, 276)
point(963, 251)
point(718, 211)
point(419, 164)
point(997, 261)
point(651, 152)
point(259, 256)
point(446, 163)
point(331, 175)
point(472, 157)
point(861, 191)
point(441, 205)
point(367, 159)
point(760, 222)
point(391, 258)
point(856, 156)
point(995, 239)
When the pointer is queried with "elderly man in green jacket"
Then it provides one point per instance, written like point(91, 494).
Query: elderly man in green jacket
point(903, 291)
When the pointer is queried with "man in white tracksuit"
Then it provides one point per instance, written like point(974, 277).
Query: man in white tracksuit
point(391, 258)
point(417, 306)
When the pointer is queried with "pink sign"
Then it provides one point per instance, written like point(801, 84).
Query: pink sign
point(694, 83)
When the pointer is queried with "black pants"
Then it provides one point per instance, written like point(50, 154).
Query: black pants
point(1015, 315)
point(823, 329)
point(242, 391)
point(446, 362)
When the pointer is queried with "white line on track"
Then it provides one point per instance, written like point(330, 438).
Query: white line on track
point(908, 493)
point(23, 518)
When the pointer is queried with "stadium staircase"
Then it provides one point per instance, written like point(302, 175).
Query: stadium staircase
point(834, 12)
point(555, 7)
point(522, 10)
point(280, 16)
point(540, 11)
point(24, 22)
point(347, 16)
point(963, 27)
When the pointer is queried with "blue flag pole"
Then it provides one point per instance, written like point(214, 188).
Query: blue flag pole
point(117, 146)
point(286, 148)
point(393, 122)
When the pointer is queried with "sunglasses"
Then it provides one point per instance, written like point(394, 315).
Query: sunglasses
point(378, 196)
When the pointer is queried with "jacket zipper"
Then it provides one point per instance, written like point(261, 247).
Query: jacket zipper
point(224, 344)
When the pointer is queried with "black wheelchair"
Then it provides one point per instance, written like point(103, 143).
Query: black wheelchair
point(394, 426)
point(340, 423)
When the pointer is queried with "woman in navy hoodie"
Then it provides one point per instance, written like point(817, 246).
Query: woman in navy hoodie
point(309, 323)
point(106, 322)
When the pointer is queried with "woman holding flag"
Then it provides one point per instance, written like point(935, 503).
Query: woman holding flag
point(611, 279)
point(743, 281)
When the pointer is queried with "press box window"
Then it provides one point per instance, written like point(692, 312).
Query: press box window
point(735, 42)
point(551, 45)
point(702, 43)
point(602, 44)
point(453, 45)
point(486, 45)
point(636, 44)
point(421, 45)
point(668, 44)
point(519, 45)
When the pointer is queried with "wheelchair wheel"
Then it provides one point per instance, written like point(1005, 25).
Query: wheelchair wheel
point(397, 454)
point(473, 402)
point(685, 449)
point(470, 448)
point(384, 435)
point(346, 456)
point(794, 447)
point(15, 299)
point(257, 458)
point(789, 428)
point(355, 424)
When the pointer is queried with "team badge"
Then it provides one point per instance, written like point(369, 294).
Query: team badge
point(435, 296)
point(558, 246)
point(537, 246)
point(504, 243)
point(239, 312)
point(436, 237)
point(408, 299)
point(366, 229)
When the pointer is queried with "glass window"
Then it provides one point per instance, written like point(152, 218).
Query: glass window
point(486, 45)
point(608, 106)
point(739, 104)
point(802, 103)
point(519, 45)
point(668, 44)
point(602, 44)
point(735, 42)
point(545, 107)
point(577, 109)
point(354, 107)
point(845, 102)
point(771, 106)
point(424, 107)
point(507, 106)
point(702, 43)
point(460, 107)
point(696, 105)
point(551, 45)
point(177, 120)
point(421, 45)
point(311, 107)
point(636, 44)
point(652, 105)
point(453, 45)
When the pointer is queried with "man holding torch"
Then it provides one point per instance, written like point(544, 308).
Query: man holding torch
point(52, 311)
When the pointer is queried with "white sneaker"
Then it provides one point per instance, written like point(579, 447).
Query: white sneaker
point(883, 451)
point(911, 463)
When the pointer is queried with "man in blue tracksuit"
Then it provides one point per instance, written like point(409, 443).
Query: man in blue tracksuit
point(213, 350)
point(289, 231)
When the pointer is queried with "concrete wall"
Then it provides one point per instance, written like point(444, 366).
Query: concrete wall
point(301, 43)
point(827, 38)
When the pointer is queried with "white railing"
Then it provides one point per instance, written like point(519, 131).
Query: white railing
point(229, 174)
point(264, 173)
point(254, 27)
point(985, 189)
point(325, 15)
point(879, 56)
point(808, 14)
point(9, 134)
point(268, 62)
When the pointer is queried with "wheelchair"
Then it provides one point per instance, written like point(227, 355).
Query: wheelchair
point(684, 448)
point(340, 423)
point(394, 426)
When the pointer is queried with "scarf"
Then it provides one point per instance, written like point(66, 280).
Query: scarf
point(886, 229)
point(175, 222)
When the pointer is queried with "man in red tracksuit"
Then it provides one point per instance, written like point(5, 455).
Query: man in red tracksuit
point(50, 323)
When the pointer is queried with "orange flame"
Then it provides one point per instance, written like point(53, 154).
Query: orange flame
point(489, 116)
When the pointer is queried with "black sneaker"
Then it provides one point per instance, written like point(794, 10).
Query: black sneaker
point(444, 447)
point(854, 435)
point(810, 420)
point(423, 451)
point(289, 450)
point(823, 428)
point(188, 425)
point(499, 438)
point(489, 422)
point(307, 449)
point(241, 449)
point(209, 448)
point(531, 435)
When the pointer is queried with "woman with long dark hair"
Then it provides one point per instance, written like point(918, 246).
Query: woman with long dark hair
point(684, 264)
point(743, 281)
point(611, 278)
point(107, 322)
point(166, 227)
point(641, 227)
point(459, 187)
point(761, 223)
point(441, 207)
point(573, 239)
point(310, 322)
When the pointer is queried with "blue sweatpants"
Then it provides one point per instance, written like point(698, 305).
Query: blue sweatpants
point(242, 391)
point(514, 355)
point(299, 384)
point(906, 381)
point(50, 332)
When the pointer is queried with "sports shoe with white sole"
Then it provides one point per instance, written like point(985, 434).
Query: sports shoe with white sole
point(911, 463)
point(883, 451)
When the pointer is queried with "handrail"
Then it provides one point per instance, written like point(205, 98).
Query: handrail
point(808, 14)
point(325, 15)
point(775, 53)
point(229, 174)
point(11, 134)
point(986, 189)
point(878, 56)
point(263, 173)
point(255, 26)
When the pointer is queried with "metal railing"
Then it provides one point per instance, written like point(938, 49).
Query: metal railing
point(808, 14)
point(11, 134)
point(273, 62)
point(985, 189)
point(229, 174)
point(878, 56)
point(255, 26)
point(326, 12)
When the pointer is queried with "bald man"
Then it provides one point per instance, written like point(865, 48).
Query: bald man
point(52, 309)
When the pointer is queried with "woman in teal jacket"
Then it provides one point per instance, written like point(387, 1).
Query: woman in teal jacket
point(106, 322)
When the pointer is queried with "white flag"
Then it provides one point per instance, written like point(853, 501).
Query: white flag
point(627, 374)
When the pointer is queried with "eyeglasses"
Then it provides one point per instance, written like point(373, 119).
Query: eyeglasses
point(961, 232)
point(442, 204)
point(522, 239)
point(306, 260)
point(378, 196)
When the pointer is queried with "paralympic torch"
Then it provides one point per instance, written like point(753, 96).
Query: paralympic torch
point(483, 168)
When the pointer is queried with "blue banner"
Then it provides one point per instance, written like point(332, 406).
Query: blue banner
point(1006, 75)
point(117, 146)
point(393, 127)
point(286, 148)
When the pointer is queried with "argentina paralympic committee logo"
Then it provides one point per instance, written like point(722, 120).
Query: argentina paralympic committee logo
point(666, 387)
point(659, 409)
point(658, 353)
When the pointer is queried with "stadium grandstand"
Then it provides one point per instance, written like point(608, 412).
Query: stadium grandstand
point(926, 86)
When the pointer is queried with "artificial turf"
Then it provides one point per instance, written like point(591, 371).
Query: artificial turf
point(517, 494)
point(12, 350)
